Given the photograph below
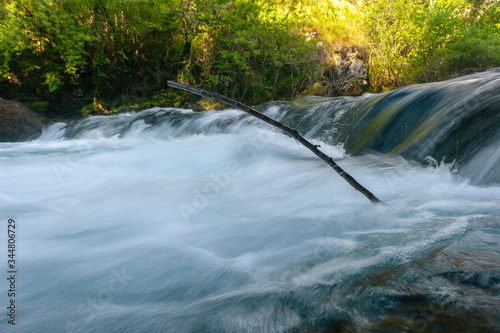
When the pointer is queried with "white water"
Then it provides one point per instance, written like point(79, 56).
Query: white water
point(154, 230)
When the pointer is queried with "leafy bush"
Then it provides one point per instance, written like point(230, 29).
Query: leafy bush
point(421, 41)
point(71, 52)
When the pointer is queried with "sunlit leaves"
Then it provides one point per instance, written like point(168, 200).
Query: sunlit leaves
point(420, 41)
point(251, 50)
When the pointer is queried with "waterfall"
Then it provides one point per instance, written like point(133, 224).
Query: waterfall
point(169, 220)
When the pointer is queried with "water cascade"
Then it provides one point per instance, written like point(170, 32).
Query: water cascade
point(169, 220)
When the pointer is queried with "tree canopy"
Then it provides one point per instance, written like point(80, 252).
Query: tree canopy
point(69, 53)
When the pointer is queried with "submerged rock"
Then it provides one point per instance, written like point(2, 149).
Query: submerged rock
point(18, 123)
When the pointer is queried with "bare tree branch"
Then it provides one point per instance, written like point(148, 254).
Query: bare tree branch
point(292, 132)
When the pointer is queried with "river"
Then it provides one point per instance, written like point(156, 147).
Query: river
point(169, 220)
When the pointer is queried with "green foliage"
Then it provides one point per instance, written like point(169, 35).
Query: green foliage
point(255, 55)
point(72, 52)
point(421, 41)
point(105, 47)
point(42, 42)
point(37, 106)
point(96, 107)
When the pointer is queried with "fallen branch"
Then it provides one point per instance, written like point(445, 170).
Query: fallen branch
point(293, 132)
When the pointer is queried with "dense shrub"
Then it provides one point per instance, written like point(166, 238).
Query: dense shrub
point(74, 52)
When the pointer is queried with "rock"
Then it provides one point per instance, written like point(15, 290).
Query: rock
point(350, 77)
point(18, 123)
point(195, 106)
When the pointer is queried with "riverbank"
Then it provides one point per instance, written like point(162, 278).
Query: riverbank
point(349, 78)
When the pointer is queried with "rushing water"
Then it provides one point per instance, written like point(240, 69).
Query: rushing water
point(169, 220)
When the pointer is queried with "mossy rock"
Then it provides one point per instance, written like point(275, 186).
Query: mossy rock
point(96, 108)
